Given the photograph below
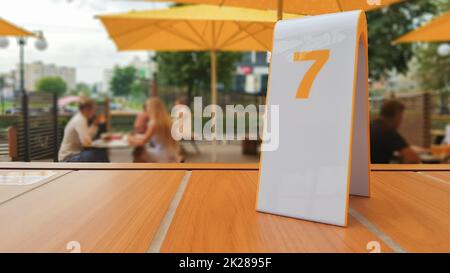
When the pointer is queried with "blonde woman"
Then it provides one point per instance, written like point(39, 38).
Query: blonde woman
point(157, 144)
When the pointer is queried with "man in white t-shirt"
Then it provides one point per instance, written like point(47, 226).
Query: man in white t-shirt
point(78, 136)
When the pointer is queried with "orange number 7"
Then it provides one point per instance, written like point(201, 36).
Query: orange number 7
point(320, 57)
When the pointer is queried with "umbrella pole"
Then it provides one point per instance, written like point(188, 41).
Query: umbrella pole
point(214, 99)
point(280, 10)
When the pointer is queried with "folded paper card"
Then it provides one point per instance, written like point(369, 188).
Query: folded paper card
point(319, 80)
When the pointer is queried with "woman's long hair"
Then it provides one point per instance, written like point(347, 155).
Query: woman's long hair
point(159, 116)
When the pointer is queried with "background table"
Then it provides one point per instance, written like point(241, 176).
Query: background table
point(111, 144)
point(211, 208)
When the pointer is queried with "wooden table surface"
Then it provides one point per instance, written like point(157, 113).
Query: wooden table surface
point(8, 192)
point(211, 208)
point(104, 211)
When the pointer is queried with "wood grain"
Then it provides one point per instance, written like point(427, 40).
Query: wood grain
point(411, 208)
point(128, 166)
point(217, 214)
point(442, 177)
point(105, 211)
point(8, 192)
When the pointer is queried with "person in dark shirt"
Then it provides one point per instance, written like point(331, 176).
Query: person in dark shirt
point(385, 139)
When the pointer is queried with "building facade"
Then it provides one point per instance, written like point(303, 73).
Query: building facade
point(252, 74)
point(33, 72)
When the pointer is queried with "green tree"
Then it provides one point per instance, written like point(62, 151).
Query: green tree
point(55, 85)
point(82, 88)
point(192, 70)
point(434, 70)
point(386, 25)
point(138, 90)
point(123, 80)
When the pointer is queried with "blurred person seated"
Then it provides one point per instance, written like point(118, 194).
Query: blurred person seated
point(157, 142)
point(385, 138)
point(141, 121)
point(78, 136)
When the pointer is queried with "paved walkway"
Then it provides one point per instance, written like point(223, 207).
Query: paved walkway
point(228, 153)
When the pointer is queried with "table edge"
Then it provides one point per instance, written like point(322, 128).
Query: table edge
point(195, 166)
point(129, 166)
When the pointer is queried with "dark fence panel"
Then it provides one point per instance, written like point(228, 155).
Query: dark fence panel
point(38, 136)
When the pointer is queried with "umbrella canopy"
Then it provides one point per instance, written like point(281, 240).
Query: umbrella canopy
point(193, 28)
point(9, 29)
point(438, 30)
point(305, 7)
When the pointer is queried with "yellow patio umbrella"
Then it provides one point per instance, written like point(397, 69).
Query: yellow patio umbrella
point(9, 29)
point(194, 28)
point(304, 7)
point(438, 30)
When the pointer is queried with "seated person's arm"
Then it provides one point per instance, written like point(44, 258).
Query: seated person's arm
point(93, 130)
point(100, 119)
point(137, 122)
point(140, 141)
point(84, 134)
point(409, 156)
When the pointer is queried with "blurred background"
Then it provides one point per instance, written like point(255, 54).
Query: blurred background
point(76, 58)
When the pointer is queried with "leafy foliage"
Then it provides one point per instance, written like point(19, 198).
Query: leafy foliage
point(192, 70)
point(388, 24)
point(434, 70)
point(54, 85)
point(82, 89)
point(125, 82)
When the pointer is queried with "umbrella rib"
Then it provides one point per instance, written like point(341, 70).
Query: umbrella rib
point(250, 34)
point(220, 30)
point(234, 35)
point(167, 29)
point(213, 34)
point(131, 30)
point(338, 2)
point(205, 28)
point(176, 33)
point(196, 32)
point(158, 29)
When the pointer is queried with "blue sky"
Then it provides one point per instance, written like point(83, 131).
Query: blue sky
point(74, 36)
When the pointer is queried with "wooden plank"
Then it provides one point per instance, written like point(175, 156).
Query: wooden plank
point(217, 214)
point(442, 177)
point(104, 211)
point(8, 192)
point(410, 167)
point(129, 166)
point(411, 208)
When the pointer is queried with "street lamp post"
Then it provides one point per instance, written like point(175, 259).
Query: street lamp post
point(40, 44)
point(24, 100)
point(22, 42)
point(443, 51)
